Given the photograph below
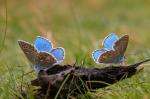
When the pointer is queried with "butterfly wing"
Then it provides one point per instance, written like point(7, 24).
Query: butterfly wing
point(96, 54)
point(29, 51)
point(44, 61)
point(121, 45)
point(42, 44)
point(109, 41)
point(110, 57)
point(58, 53)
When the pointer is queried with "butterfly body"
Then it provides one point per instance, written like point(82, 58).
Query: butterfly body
point(42, 54)
point(114, 50)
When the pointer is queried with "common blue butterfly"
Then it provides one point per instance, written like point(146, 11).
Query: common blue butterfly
point(42, 54)
point(113, 51)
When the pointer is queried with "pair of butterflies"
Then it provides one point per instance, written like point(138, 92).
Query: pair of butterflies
point(43, 56)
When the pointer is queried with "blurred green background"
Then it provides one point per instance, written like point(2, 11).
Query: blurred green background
point(79, 26)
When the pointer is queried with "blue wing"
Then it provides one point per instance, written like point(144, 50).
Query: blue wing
point(42, 44)
point(58, 53)
point(109, 41)
point(96, 54)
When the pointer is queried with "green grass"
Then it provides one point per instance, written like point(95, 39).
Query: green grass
point(79, 26)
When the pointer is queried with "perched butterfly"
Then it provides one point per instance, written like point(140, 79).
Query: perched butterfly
point(113, 51)
point(42, 54)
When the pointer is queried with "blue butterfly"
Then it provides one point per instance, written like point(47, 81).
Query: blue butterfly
point(42, 54)
point(113, 51)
